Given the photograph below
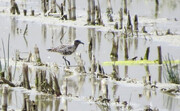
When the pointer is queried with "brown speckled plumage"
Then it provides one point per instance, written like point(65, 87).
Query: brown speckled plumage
point(66, 49)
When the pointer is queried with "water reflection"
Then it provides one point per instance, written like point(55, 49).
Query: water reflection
point(126, 71)
point(99, 49)
point(114, 57)
point(70, 34)
point(114, 91)
point(81, 81)
point(93, 85)
point(99, 37)
point(160, 74)
point(156, 8)
point(148, 75)
point(170, 103)
point(14, 28)
point(92, 42)
point(44, 32)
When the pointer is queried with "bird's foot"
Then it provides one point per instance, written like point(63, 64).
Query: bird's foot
point(66, 61)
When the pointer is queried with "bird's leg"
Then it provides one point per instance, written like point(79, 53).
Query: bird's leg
point(66, 61)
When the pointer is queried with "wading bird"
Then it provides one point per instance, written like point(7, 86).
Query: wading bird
point(66, 49)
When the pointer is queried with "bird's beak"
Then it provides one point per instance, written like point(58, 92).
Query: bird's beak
point(82, 43)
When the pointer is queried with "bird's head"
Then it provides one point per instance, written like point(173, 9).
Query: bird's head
point(77, 42)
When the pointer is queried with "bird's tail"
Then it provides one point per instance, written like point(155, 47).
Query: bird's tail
point(50, 50)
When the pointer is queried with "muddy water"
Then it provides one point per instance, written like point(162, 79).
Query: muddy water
point(46, 36)
point(83, 87)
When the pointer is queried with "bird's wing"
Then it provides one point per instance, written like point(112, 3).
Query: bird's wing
point(58, 48)
point(61, 47)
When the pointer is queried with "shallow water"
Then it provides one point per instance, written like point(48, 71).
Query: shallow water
point(46, 35)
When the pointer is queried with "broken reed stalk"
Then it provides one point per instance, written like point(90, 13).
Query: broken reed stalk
point(29, 57)
point(5, 80)
point(26, 83)
point(157, 2)
point(129, 24)
point(37, 55)
point(98, 17)
point(10, 73)
point(125, 50)
point(114, 51)
point(136, 24)
point(169, 32)
point(93, 65)
point(25, 12)
point(74, 10)
point(146, 56)
point(47, 5)
point(121, 18)
point(4, 99)
point(109, 11)
point(43, 6)
point(56, 86)
point(61, 8)
point(159, 55)
point(116, 25)
point(32, 12)
point(53, 6)
point(125, 6)
point(89, 12)
point(8, 82)
point(69, 9)
point(14, 7)
point(100, 69)
point(93, 8)
point(144, 29)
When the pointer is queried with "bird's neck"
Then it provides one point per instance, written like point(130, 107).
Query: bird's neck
point(76, 45)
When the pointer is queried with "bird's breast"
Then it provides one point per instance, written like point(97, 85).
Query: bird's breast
point(67, 51)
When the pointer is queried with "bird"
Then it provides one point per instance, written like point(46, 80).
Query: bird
point(66, 49)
